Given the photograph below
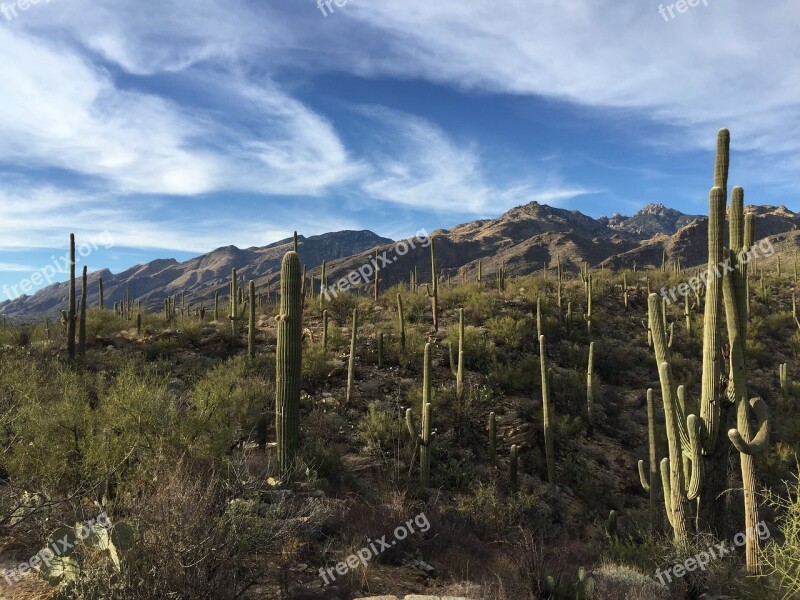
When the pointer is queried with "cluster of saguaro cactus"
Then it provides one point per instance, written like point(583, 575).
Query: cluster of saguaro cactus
point(424, 436)
point(288, 362)
point(433, 289)
point(501, 277)
point(695, 467)
point(547, 412)
point(351, 363)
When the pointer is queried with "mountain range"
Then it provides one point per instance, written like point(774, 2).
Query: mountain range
point(525, 239)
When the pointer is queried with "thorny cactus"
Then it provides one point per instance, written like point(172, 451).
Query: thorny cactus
point(433, 289)
point(424, 437)
point(351, 363)
point(650, 480)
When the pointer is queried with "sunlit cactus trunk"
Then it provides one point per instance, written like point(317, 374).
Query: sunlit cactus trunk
point(288, 360)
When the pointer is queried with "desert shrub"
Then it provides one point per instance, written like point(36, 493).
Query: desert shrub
point(784, 557)
point(416, 307)
point(317, 364)
point(516, 375)
point(624, 583)
point(340, 307)
point(161, 349)
point(478, 306)
point(379, 429)
point(413, 355)
point(225, 406)
point(478, 348)
point(507, 331)
point(494, 513)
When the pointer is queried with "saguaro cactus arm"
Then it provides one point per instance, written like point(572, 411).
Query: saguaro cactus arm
point(760, 441)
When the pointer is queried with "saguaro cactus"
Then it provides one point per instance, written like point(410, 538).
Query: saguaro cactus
point(590, 391)
point(234, 315)
point(402, 321)
point(102, 297)
point(784, 379)
point(351, 363)
point(460, 370)
point(325, 329)
point(747, 442)
point(251, 325)
point(71, 315)
point(588, 315)
point(433, 290)
point(424, 437)
point(322, 285)
point(288, 362)
point(82, 322)
point(650, 481)
point(547, 412)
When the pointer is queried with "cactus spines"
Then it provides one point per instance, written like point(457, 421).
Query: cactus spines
point(288, 362)
point(402, 321)
point(82, 322)
point(547, 415)
point(351, 363)
point(251, 321)
point(650, 481)
point(590, 391)
point(71, 314)
point(102, 296)
point(513, 468)
point(492, 435)
point(433, 290)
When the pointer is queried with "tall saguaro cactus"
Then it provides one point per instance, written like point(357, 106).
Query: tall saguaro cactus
point(71, 315)
point(547, 415)
point(460, 369)
point(650, 481)
point(744, 439)
point(402, 319)
point(590, 390)
point(102, 298)
point(433, 290)
point(424, 437)
point(251, 324)
point(351, 363)
point(288, 362)
point(234, 315)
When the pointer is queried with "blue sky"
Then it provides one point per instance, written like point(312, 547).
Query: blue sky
point(178, 128)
